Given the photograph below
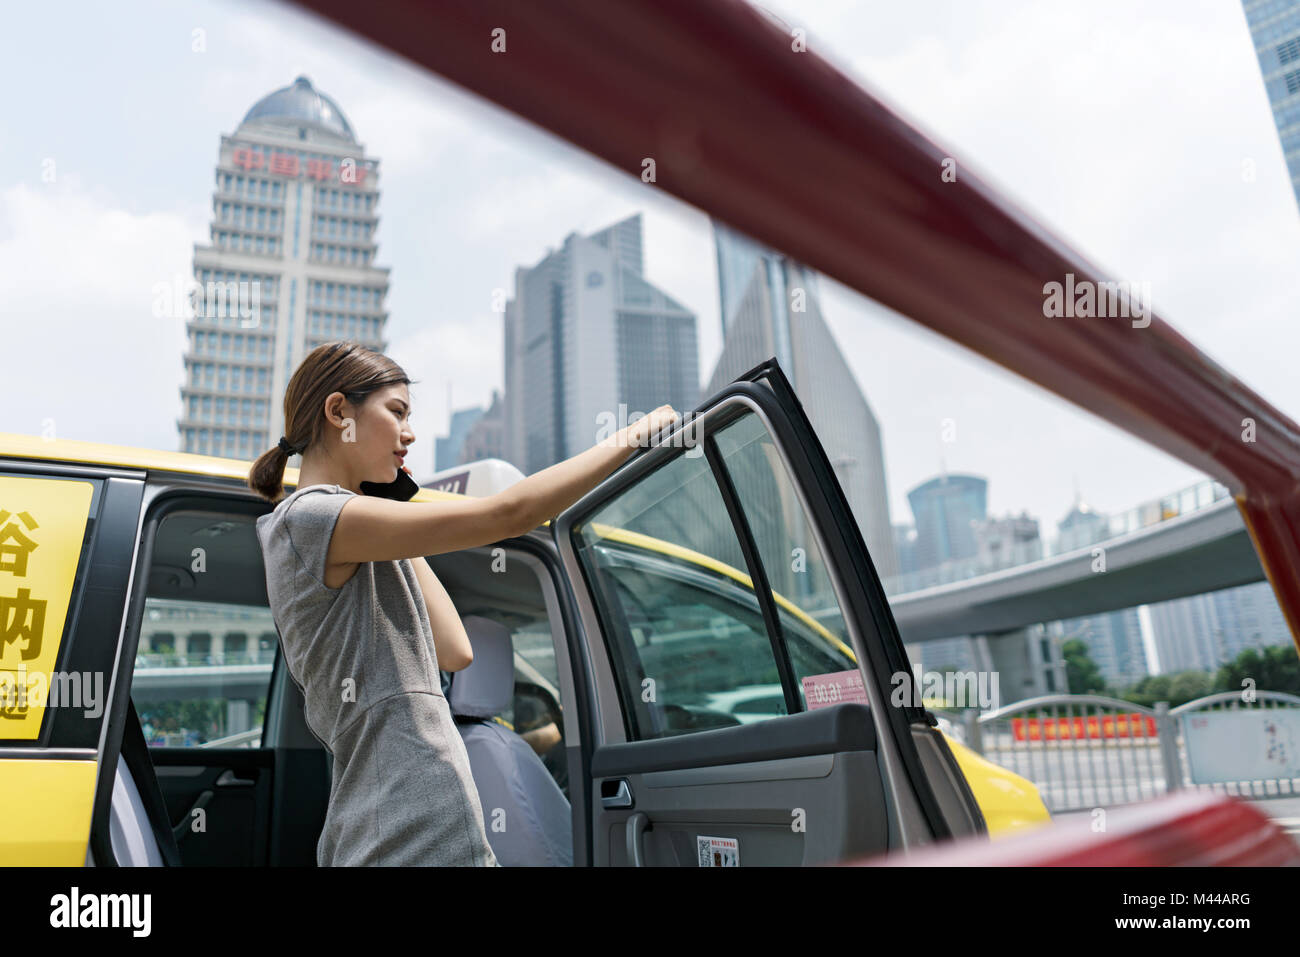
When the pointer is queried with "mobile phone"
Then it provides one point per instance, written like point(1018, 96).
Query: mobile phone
point(401, 489)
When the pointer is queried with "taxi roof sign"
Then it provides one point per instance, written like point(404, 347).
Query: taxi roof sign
point(478, 479)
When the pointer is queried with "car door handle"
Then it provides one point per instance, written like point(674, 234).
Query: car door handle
point(620, 798)
point(636, 825)
point(228, 780)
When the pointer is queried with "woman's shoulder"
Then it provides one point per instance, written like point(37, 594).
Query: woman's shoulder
point(297, 495)
point(328, 488)
point(300, 527)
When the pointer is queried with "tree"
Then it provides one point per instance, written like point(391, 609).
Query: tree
point(1188, 686)
point(1081, 673)
point(1275, 668)
point(1176, 688)
point(1149, 690)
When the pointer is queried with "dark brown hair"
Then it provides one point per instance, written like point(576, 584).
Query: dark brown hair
point(340, 366)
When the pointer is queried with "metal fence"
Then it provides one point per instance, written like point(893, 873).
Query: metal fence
point(1087, 751)
point(1252, 787)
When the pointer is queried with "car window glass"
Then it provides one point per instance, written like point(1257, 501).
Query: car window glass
point(207, 637)
point(812, 622)
point(684, 630)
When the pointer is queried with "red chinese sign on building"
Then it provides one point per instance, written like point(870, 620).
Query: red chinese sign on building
point(349, 171)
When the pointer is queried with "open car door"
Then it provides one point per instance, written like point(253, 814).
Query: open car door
point(742, 654)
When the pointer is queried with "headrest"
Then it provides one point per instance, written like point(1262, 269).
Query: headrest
point(487, 686)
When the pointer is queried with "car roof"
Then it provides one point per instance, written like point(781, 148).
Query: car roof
point(77, 452)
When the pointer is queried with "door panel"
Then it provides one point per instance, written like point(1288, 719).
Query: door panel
point(733, 593)
point(228, 792)
point(804, 789)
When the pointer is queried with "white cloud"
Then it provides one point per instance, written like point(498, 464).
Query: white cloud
point(1122, 129)
point(81, 339)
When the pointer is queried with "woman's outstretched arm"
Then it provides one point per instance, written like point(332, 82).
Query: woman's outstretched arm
point(543, 495)
point(373, 529)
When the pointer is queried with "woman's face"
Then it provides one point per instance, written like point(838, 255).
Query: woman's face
point(383, 431)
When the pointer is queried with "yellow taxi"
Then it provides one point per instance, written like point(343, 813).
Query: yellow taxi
point(698, 665)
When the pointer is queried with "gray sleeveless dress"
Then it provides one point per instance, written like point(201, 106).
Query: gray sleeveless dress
point(401, 791)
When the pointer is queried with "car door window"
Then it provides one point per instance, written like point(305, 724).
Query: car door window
point(686, 633)
point(812, 622)
point(689, 642)
point(207, 639)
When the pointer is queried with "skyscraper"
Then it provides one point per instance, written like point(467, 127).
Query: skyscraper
point(1080, 528)
point(447, 449)
point(290, 265)
point(948, 510)
point(1275, 31)
point(770, 307)
point(1009, 541)
point(1114, 639)
point(1202, 632)
point(585, 333)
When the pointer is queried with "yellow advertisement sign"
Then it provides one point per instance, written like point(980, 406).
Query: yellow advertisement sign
point(42, 525)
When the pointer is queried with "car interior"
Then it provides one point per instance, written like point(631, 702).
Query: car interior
point(219, 767)
point(241, 783)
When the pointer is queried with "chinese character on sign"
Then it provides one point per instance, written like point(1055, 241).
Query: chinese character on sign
point(13, 696)
point(284, 164)
point(13, 558)
point(320, 169)
point(247, 159)
point(15, 626)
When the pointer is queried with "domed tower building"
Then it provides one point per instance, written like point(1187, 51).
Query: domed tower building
point(290, 265)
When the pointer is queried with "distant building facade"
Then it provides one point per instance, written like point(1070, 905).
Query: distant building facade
point(771, 308)
point(447, 449)
point(947, 511)
point(1005, 542)
point(1204, 632)
point(486, 437)
point(1114, 639)
point(290, 265)
point(587, 336)
point(1275, 31)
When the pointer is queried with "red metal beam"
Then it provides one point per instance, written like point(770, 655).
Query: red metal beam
point(1184, 829)
point(783, 146)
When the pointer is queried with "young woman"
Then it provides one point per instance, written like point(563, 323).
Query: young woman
point(364, 623)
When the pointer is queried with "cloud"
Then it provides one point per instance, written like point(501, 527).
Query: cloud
point(82, 341)
point(1083, 116)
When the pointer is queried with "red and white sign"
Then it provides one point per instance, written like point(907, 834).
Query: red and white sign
point(349, 172)
point(836, 687)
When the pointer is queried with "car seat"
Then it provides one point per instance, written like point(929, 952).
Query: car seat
point(528, 819)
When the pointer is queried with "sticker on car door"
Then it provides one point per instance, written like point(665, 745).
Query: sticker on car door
point(836, 687)
point(42, 527)
point(718, 851)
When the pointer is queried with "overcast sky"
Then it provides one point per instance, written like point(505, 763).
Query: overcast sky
point(1123, 127)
